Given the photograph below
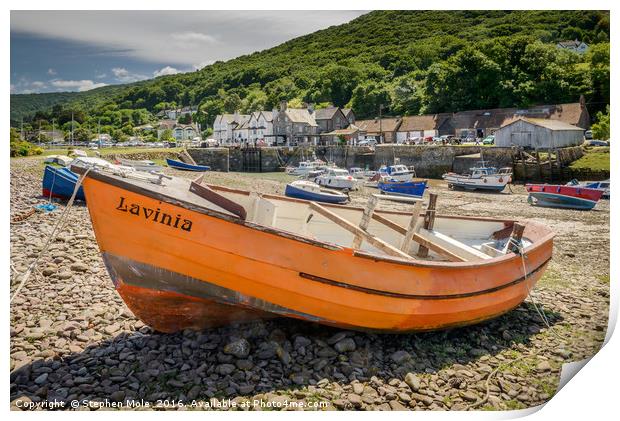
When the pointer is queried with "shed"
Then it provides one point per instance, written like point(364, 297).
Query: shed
point(538, 133)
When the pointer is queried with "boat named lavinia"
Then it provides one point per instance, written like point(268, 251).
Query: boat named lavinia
point(202, 255)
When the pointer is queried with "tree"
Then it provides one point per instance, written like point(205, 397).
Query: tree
point(166, 136)
point(82, 134)
point(368, 97)
point(600, 129)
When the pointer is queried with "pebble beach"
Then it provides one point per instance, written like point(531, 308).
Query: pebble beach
point(75, 343)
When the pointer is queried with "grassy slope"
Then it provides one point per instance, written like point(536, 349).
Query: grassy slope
point(367, 39)
point(595, 159)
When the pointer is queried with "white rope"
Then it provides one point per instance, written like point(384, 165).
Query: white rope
point(51, 237)
point(540, 312)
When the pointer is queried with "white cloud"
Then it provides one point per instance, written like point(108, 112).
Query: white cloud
point(79, 85)
point(123, 75)
point(195, 37)
point(38, 84)
point(100, 75)
point(51, 71)
point(168, 70)
point(177, 37)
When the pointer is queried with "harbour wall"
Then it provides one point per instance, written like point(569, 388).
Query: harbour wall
point(429, 161)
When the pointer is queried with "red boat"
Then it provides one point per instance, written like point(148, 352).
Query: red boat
point(561, 196)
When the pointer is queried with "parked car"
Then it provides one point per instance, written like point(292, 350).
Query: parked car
point(588, 134)
point(598, 143)
point(367, 142)
point(489, 140)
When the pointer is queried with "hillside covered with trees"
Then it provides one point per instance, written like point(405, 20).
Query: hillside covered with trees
point(411, 62)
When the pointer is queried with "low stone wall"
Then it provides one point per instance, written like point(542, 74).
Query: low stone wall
point(150, 155)
point(431, 161)
point(216, 158)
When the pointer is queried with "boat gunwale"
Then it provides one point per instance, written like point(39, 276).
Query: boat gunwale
point(117, 181)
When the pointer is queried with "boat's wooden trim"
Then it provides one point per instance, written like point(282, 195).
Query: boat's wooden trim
point(217, 199)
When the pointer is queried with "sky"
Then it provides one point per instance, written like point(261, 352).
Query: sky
point(54, 51)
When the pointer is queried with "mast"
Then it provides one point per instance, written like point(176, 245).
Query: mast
point(71, 128)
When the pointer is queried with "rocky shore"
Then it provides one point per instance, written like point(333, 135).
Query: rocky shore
point(74, 342)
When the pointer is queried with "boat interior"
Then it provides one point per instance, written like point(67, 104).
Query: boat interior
point(412, 235)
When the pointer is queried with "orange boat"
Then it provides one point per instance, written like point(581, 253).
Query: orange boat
point(185, 255)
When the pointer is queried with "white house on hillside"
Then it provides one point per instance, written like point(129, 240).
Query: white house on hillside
point(576, 46)
point(224, 125)
point(261, 127)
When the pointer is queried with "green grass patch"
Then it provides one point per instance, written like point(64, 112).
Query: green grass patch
point(604, 279)
point(553, 279)
point(595, 159)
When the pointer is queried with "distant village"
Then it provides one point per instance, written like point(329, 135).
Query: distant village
point(556, 126)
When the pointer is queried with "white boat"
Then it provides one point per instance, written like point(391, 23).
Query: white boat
point(58, 159)
point(481, 177)
point(397, 172)
point(142, 165)
point(356, 172)
point(80, 153)
point(336, 178)
point(303, 168)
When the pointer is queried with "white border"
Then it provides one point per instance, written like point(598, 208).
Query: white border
point(590, 394)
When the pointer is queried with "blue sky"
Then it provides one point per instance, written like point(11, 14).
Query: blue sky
point(54, 51)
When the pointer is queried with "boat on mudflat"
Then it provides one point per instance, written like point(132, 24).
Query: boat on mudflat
point(604, 185)
point(180, 165)
point(308, 190)
point(202, 255)
point(139, 165)
point(402, 188)
point(481, 177)
point(60, 182)
point(562, 196)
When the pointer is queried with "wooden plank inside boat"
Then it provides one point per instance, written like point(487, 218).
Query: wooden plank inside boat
point(366, 216)
point(448, 254)
point(415, 223)
point(429, 221)
point(349, 226)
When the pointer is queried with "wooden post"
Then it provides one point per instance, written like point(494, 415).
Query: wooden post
point(366, 217)
point(523, 166)
point(538, 165)
point(559, 163)
point(429, 221)
point(414, 225)
point(550, 166)
point(515, 238)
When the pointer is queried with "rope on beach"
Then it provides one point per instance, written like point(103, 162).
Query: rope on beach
point(61, 222)
point(519, 246)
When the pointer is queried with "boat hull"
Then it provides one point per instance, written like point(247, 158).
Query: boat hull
point(412, 188)
point(292, 191)
point(558, 196)
point(207, 276)
point(60, 183)
point(180, 165)
point(490, 183)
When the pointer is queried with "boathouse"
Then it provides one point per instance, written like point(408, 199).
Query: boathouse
point(538, 133)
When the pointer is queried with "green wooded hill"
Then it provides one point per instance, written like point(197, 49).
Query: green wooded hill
point(411, 62)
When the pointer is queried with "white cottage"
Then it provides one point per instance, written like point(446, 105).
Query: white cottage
point(261, 128)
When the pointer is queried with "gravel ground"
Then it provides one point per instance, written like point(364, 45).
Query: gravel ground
point(73, 341)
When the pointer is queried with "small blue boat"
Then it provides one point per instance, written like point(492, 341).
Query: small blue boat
point(307, 190)
point(402, 188)
point(60, 183)
point(180, 165)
